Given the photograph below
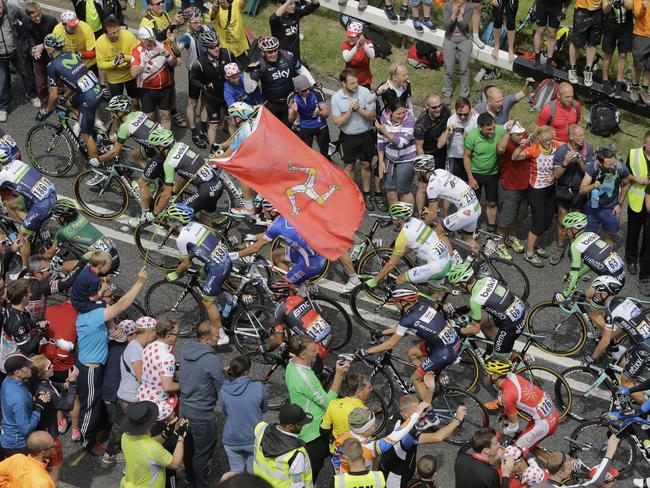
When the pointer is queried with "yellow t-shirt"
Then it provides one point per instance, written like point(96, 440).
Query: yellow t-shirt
point(108, 51)
point(232, 37)
point(642, 19)
point(146, 461)
point(589, 4)
point(159, 22)
point(336, 416)
point(82, 40)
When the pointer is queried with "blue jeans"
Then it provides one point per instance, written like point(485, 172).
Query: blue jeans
point(199, 447)
point(240, 458)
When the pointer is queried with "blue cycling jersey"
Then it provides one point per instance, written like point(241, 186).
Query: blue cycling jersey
point(196, 240)
point(8, 144)
point(68, 68)
point(429, 325)
point(284, 230)
point(26, 182)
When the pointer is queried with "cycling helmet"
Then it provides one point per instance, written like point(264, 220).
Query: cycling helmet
point(231, 69)
point(54, 41)
point(209, 38)
point(65, 209)
point(405, 293)
point(424, 162)
point(161, 137)
point(401, 210)
point(119, 103)
point(5, 156)
point(241, 110)
point(266, 206)
point(460, 274)
point(607, 284)
point(190, 13)
point(280, 285)
point(533, 475)
point(497, 366)
point(574, 220)
point(180, 212)
point(268, 43)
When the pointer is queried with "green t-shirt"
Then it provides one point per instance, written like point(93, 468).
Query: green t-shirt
point(484, 151)
point(146, 461)
point(81, 233)
point(306, 391)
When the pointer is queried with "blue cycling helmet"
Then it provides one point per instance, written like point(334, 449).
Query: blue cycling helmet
point(180, 212)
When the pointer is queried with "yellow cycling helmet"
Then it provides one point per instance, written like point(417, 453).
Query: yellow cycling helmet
point(498, 366)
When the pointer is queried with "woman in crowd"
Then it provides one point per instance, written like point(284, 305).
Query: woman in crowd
point(456, 16)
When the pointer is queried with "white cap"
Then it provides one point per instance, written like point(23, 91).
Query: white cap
point(354, 29)
point(516, 127)
point(69, 17)
point(145, 33)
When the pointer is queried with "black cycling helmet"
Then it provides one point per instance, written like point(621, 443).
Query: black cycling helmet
point(65, 209)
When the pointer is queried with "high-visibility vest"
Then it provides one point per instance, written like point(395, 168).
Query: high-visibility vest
point(276, 470)
point(372, 479)
point(639, 167)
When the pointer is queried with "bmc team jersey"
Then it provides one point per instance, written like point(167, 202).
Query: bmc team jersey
point(84, 235)
point(503, 305)
point(418, 236)
point(187, 164)
point(518, 393)
point(26, 181)
point(196, 240)
point(595, 253)
point(626, 314)
point(284, 230)
point(301, 318)
point(442, 184)
point(428, 325)
point(68, 68)
point(137, 126)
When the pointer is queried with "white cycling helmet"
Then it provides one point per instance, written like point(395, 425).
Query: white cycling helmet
point(607, 284)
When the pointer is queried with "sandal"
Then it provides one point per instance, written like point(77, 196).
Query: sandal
point(179, 120)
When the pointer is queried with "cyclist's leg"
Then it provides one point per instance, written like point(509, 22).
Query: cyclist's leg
point(505, 338)
point(87, 126)
point(300, 272)
point(417, 354)
point(37, 214)
point(637, 359)
point(431, 271)
point(204, 200)
point(538, 430)
point(214, 279)
point(282, 258)
point(435, 361)
point(152, 172)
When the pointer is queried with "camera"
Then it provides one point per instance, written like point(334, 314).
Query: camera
point(458, 130)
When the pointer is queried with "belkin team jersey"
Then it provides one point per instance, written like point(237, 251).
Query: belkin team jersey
point(196, 240)
point(26, 181)
point(428, 325)
point(69, 69)
point(284, 230)
point(442, 184)
point(595, 253)
point(626, 314)
point(503, 305)
point(84, 235)
point(187, 164)
point(137, 126)
point(418, 236)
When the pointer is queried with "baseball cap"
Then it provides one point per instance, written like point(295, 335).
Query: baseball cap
point(68, 17)
point(354, 29)
point(145, 33)
point(127, 326)
point(146, 322)
point(361, 419)
point(301, 82)
point(612, 473)
point(16, 361)
point(517, 128)
point(294, 414)
point(231, 69)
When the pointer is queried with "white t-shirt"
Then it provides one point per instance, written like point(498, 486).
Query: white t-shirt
point(456, 141)
point(128, 390)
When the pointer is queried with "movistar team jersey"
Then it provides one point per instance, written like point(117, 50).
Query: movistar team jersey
point(284, 230)
point(187, 164)
point(428, 325)
point(68, 68)
point(137, 126)
point(442, 184)
point(626, 314)
point(595, 253)
point(26, 181)
point(418, 236)
point(196, 240)
point(489, 295)
point(81, 233)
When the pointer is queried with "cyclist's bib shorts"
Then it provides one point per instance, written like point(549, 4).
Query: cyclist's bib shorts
point(216, 275)
point(538, 430)
point(38, 213)
point(437, 359)
point(301, 270)
point(465, 219)
point(433, 270)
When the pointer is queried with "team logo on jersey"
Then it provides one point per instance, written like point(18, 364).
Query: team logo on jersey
point(307, 188)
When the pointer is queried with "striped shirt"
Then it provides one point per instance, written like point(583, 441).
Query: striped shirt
point(399, 144)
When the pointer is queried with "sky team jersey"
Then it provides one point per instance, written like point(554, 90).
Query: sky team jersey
point(626, 314)
point(84, 235)
point(300, 317)
point(83, 40)
point(68, 68)
point(428, 325)
point(442, 184)
point(187, 164)
point(137, 126)
point(489, 295)
point(284, 230)
point(196, 240)
point(26, 181)
point(595, 253)
point(518, 393)
point(418, 236)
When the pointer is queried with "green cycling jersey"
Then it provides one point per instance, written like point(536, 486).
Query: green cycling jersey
point(83, 235)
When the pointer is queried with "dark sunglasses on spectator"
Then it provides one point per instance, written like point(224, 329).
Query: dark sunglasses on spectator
point(156, 4)
point(5, 242)
point(465, 114)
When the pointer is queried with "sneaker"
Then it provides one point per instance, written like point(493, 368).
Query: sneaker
point(96, 180)
point(403, 14)
point(363, 4)
point(429, 24)
point(62, 426)
point(380, 202)
point(641, 482)
point(3, 115)
point(223, 338)
point(515, 244)
point(36, 103)
point(179, 120)
point(243, 211)
point(645, 96)
point(456, 258)
point(608, 88)
point(557, 255)
point(573, 76)
point(618, 352)
point(370, 205)
point(134, 221)
point(534, 260)
point(503, 253)
point(76, 435)
point(390, 13)
point(634, 98)
point(417, 25)
point(351, 284)
point(198, 141)
point(588, 77)
point(477, 40)
point(96, 449)
point(618, 90)
point(644, 287)
point(117, 458)
point(541, 252)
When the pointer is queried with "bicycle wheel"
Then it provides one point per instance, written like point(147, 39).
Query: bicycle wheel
point(176, 301)
point(157, 245)
point(507, 272)
point(134, 312)
point(592, 395)
point(104, 201)
point(564, 334)
point(372, 261)
point(464, 373)
point(250, 329)
point(50, 149)
point(278, 243)
point(372, 308)
point(272, 377)
point(381, 383)
point(446, 401)
point(335, 315)
point(590, 442)
point(548, 381)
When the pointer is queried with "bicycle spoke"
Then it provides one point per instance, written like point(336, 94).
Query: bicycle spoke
point(591, 395)
point(446, 402)
point(175, 301)
point(591, 443)
point(563, 333)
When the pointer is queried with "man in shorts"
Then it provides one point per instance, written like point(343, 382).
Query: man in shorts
point(641, 52)
point(617, 34)
point(548, 14)
point(587, 30)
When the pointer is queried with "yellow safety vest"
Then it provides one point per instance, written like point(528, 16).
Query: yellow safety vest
point(639, 167)
point(276, 470)
point(372, 479)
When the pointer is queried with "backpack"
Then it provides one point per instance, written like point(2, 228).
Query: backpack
point(604, 118)
point(422, 55)
point(545, 92)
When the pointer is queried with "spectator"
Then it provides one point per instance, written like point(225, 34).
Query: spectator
point(85, 290)
point(357, 474)
point(641, 53)
point(427, 466)
point(561, 113)
point(606, 182)
point(131, 365)
point(637, 215)
point(396, 150)
point(37, 26)
point(357, 52)
point(92, 13)
point(498, 106)
point(62, 398)
point(353, 112)
point(30, 470)
point(513, 191)
point(308, 104)
point(20, 414)
point(233, 89)
point(457, 45)
point(587, 29)
point(244, 403)
point(548, 14)
point(79, 38)
point(510, 10)
point(617, 34)
point(397, 87)
point(227, 20)
point(151, 63)
point(569, 162)
point(426, 10)
point(480, 161)
point(306, 392)
point(200, 379)
point(279, 453)
point(459, 124)
point(146, 459)
point(390, 12)
point(92, 354)
point(476, 470)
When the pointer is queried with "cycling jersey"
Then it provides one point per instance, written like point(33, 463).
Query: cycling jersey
point(300, 317)
point(418, 236)
point(137, 126)
point(443, 184)
point(244, 130)
point(192, 42)
point(626, 314)
point(276, 78)
point(287, 27)
point(27, 182)
point(68, 68)
point(84, 235)
point(207, 72)
point(156, 73)
point(19, 332)
point(9, 145)
point(490, 295)
point(187, 164)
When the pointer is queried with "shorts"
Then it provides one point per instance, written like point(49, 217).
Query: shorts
point(587, 27)
point(641, 51)
point(38, 213)
point(147, 152)
point(154, 169)
point(617, 36)
point(548, 14)
point(513, 206)
point(491, 185)
point(87, 113)
point(399, 177)
point(637, 358)
point(507, 335)
point(464, 219)
point(438, 359)
point(417, 3)
point(206, 197)
point(597, 217)
point(302, 271)
point(193, 92)
point(357, 147)
point(434, 270)
point(456, 167)
point(57, 454)
point(597, 303)
point(215, 106)
point(569, 198)
point(538, 430)
point(130, 86)
point(151, 99)
point(216, 275)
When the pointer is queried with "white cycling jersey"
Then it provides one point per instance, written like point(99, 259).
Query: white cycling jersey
point(442, 184)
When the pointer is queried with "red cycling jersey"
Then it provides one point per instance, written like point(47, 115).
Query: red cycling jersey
point(518, 393)
point(300, 317)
